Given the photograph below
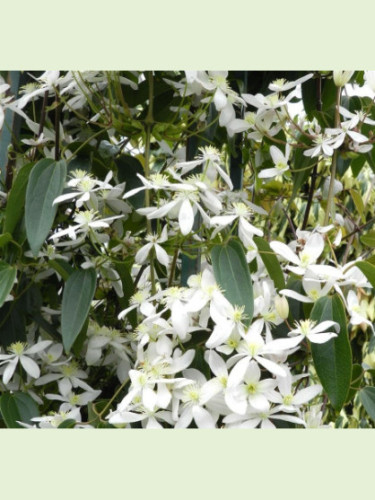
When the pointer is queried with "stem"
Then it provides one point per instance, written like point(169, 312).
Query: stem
point(149, 123)
point(358, 229)
point(314, 174)
point(113, 398)
point(173, 267)
point(330, 204)
point(57, 129)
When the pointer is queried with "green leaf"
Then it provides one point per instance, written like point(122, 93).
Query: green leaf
point(271, 262)
point(368, 239)
point(358, 202)
point(62, 267)
point(77, 296)
point(123, 270)
point(7, 278)
point(367, 398)
point(46, 182)
point(16, 199)
point(17, 407)
point(127, 169)
point(12, 324)
point(69, 423)
point(357, 164)
point(368, 270)
point(232, 274)
point(333, 359)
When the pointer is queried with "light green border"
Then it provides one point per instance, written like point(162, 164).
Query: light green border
point(189, 34)
point(187, 465)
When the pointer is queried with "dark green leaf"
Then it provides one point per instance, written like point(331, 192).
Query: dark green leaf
point(367, 398)
point(16, 199)
point(271, 262)
point(7, 277)
point(46, 182)
point(128, 168)
point(17, 407)
point(232, 274)
point(368, 270)
point(12, 324)
point(333, 359)
point(77, 296)
point(69, 423)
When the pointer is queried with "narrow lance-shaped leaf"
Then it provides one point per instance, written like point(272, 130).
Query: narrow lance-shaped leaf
point(232, 274)
point(16, 199)
point(7, 278)
point(77, 296)
point(333, 359)
point(46, 182)
point(271, 262)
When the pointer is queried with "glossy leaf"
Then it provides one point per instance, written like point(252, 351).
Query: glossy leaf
point(333, 359)
point(7, 277)
point(368, 270)
point(17, 407)
point(232, 274)
point(367, 398)
point(358, 202)
point(271, 262)
point(77, 296)
point(46, 182)
point(16, 199)
point(368, 239)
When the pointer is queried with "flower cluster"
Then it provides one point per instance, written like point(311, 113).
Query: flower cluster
point(167, 293)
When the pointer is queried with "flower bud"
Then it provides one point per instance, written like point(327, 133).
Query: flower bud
point(341, 78)
point(282, 306)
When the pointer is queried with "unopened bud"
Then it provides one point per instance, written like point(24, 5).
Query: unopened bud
point(282, 306)
point(341, 78)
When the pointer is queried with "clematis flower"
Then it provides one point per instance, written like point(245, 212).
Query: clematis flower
point(153, 243)
point(20, 353)
point(306, 329)
point(311, 251)
point(280, 160)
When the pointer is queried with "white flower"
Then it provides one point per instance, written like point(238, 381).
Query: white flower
point(280, 160)
point(87, 220)
point(306, 329)
point(357, 310)
point(22, 354)
point(282, 85)
point(194, 397)
point(370, 79)
point(312, 250)
point(153, 243)
point(254, 347)
point(241, 212)
point(245, 387)
point(291, 400)
point(341, 78)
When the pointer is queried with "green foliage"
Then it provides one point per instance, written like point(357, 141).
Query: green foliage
point(46, 182)
point(17, 407)
point(333, 359)
point(232, 274)
point(77, 296)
